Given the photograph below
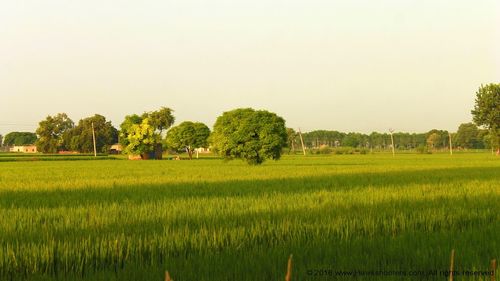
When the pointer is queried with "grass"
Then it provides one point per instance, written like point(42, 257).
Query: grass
point(215, 220)
point(17, 157)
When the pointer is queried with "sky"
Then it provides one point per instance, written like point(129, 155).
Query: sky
point(346, 65)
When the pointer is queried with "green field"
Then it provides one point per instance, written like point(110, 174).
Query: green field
point(213, 220)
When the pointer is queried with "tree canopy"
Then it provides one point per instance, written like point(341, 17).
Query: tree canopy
point(467, 136)
point(80, 137)
point(50, 132)
point(19, 138)
point(486, 111)
point(142, 134)
point(126, 128)
point(437, 139)
point(188, 136)
point(142, 138)
point(253, 135)
point(161, 119)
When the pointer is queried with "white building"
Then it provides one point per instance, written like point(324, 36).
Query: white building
point(24, 148)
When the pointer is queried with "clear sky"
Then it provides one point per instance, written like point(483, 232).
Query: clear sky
point(348, 65)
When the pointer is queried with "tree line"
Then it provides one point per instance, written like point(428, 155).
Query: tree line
point(468, 136)
point(254, 135)
point(79, 137)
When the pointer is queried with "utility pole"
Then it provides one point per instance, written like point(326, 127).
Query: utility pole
point(93, 138)
point(302, 142)
point(451, 146)
point(392, 141)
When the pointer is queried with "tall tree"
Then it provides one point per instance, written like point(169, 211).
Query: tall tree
point(1, 140)
point(467, 136)
point(142, 138)
point(486, 111)
point(19, 138)
point(50, 132)
point(80, 137)
point(253, 135)
point(378, 140)
point(292, 139)
point(188, 136)
point(434, 141)
point(353, 140)
point(322, 137)
point(437, 139)
point(483, 138)
point(126, 128)
point(161, 119)
point(156, 123)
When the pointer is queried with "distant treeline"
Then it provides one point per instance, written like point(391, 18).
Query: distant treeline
point(468, 136)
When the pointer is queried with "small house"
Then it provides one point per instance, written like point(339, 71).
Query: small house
point(24, 148)
point(116, 149)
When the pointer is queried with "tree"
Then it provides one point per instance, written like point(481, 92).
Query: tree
point(353, 140)
point(317, 138)
point(19, 138)
point(142, 138)
point(437, 139)
point(253, 135)
point(433, 140)
point(486, 111)
point(484, 140)
point(134, 127)
point(188, 136)
point(291, 139)
point(50, 132)
point(467, 136)
point(161, 119)
point(1, 140)
point(378, 140)
point(126, 128)
point(418, 140)
point(80, 138)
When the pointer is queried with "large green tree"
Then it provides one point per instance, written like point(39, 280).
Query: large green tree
point(143, 134)
point(467, 136)
point(354, 140)
point(253, 135)
point(161, 119)
point(125, 128)
point(486, 111)
point(80, 137)
point(50, 133)
point(142, 138)
point(188, 136)
point(437, 139)
point(19, 138)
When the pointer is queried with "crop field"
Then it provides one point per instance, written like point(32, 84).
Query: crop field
point(341, 217)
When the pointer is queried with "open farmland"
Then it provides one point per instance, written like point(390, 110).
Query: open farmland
point(215, 220)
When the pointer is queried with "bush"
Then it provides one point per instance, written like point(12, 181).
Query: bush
point(325, 149)
point(363, 151)
point(343, 150)
point(422, 149)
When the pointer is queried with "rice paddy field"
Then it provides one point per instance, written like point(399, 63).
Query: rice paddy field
point(343, 217)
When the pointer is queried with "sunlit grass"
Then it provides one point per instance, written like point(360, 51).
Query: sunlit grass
point(215, 220)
